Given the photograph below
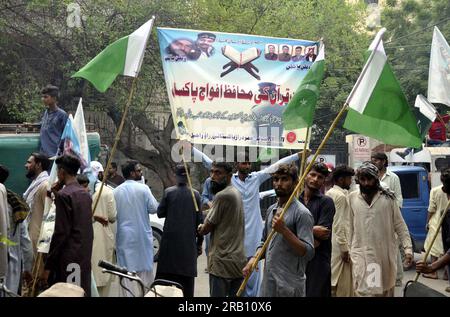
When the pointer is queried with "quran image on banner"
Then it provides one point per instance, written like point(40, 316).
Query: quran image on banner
point(232, 89)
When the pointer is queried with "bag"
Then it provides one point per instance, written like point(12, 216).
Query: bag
point(416, 289)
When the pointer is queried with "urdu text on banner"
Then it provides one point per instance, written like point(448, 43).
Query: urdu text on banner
point(232, 89)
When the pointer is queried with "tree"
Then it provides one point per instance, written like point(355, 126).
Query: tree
point(409, 32)
point(40, 47)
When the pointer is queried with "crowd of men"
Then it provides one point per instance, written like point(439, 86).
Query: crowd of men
point(331, 241)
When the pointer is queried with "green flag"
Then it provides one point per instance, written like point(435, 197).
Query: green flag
point(299, 112)
point(377, 106)
point(123, 57)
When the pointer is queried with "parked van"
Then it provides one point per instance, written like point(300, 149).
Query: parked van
point(416, 196)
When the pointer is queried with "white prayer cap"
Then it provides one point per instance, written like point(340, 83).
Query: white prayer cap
point(96, 167)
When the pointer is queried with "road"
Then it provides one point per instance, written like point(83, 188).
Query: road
point(202, 281)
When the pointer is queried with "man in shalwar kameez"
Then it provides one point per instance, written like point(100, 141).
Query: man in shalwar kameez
point(248, 183)
point(292, 247)
point(375, 219)
point(104, 239)
point(134, 242)
point(341, 267)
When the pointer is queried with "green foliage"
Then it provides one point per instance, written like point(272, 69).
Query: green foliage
point(410, 30)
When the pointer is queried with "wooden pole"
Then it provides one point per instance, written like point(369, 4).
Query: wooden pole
point(116, 141)
point(299, 184)
point(189, 182)
point(441, 220)
point(303, 162)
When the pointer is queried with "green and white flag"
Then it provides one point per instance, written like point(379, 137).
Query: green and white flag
point(439, 71)
point(299, 112)
point(425, 113)
point(377, 105)
point(123, 57)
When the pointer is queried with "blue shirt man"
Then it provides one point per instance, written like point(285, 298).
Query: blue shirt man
point(134, 242)
point(52, 123)
point(248, 185)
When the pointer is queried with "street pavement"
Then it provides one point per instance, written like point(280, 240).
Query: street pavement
point(202, 281)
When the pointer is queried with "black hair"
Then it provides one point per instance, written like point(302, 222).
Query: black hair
point(51, 91)
point(129, 167)
point(320, 168)
point(69, 163)
point(380, 156)
point(342, 171)
point(287, 169)
point(82, 179)
point(114, 165)
point(4, 173)
point(41, 158)
point(224, 165)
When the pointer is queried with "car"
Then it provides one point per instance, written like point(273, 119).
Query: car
point(416, 196)
point(157, 225)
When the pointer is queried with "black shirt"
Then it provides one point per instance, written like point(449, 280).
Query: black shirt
point(318, 271)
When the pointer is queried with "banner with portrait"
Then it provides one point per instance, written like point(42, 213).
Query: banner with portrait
point(232, 89)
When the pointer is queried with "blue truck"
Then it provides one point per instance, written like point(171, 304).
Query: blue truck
point(416, 196)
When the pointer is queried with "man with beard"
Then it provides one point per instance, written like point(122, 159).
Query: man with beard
point(341, 269)
point(69, 257)
point(291, 249)
point(375, 219)
point(248, 183)
point(104, 240)
point(134, 240)
point(180, 244)
point(318, 271)
point(36, 166)
point(225, 221)
point(392, 182)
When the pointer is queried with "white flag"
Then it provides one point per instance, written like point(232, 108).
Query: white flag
point(79, 126)
point(439, 72)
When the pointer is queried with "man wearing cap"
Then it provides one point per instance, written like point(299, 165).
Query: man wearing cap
point(104, 240)
point(375, 220)
point(204, 43)
point(318, 271)
point(180, 244)
point(52, 123)
point(391, 181)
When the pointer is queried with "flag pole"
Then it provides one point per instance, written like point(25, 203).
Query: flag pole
point(297, 187)
point(116, 142)
point(308, 168)
point(119, 131)
point(303, 162)
point(189, 181)
point(441, 220)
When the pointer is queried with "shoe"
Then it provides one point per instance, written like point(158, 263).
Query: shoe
point(398, 283)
